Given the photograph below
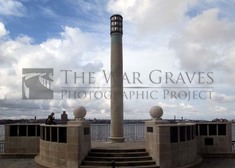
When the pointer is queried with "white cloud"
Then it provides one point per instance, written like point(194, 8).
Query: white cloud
point(222, 98)
point(220, 109)
point(186, 107)
point(229, 63)
point(204, 40)
point(207, 28)
point(49, 12)
point(3, 30)
point(151, 16)
point(12, 8)
point(4, 90)
point(70, 51)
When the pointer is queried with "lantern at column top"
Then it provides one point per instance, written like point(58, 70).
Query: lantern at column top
point(116, 24)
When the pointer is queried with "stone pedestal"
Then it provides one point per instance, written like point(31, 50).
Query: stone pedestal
point(79, 142)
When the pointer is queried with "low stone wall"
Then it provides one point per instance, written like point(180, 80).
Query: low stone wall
point(52, 154)
point(21, 139)
point(171, 145)
point(64, 145)
point(214, 137)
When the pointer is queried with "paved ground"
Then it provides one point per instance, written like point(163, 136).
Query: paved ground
point(207, 163)
point(17, 163)
point(29, 163)
point(218, 163)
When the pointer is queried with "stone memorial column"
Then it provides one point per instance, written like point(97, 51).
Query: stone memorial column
point(116, 79)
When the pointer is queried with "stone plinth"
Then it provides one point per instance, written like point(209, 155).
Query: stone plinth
point(171, 145)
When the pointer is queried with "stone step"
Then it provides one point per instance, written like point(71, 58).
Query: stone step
point(118, 150)
point(92, 158)
point(148, 166)
point(124, 158)
point(129, 154)
point(119, 163)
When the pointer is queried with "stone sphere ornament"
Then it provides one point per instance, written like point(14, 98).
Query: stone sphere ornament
point(156, 112)
point(79, 113)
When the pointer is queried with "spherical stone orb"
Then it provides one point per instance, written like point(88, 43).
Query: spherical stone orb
point(79, 112)
point(156, 112)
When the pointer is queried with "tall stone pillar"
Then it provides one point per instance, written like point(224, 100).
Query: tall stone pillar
point(116, 79)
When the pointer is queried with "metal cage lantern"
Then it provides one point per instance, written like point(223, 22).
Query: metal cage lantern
point(116, 24)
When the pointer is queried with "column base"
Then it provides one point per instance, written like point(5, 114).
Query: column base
point(116, 139)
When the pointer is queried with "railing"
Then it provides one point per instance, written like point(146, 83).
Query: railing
point(2, 146)
point(54, 133)
point(100, 132)
point(132, 132)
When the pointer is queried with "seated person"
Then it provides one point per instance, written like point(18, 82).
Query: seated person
point(64, 118)
point(50, 119)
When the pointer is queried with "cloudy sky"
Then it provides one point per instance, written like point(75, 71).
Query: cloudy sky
point(188, 44)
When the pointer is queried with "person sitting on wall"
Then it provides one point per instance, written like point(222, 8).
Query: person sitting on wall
point(50, 119)
point(64, 118)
